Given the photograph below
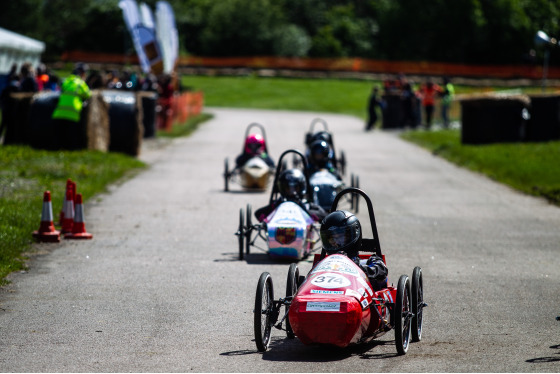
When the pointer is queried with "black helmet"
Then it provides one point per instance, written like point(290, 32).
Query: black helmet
point(321, 135)
point(291, 184)
point(319, 153)
point(341, 231)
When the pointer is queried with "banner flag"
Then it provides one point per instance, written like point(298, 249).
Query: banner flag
point(167, 35)
point(145, 42)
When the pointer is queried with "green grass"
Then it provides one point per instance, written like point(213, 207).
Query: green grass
point(185, 129)
point(26, 173)
point(533, 168)
point(323, 95)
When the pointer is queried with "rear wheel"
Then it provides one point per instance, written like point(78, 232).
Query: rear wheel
point(342, 162)
point(417, 304)
point(263, 309)
point(226, 175)
point(355, 196)
point(402, 315)
point(291, 289)
point(240, 234)
point(249, 219)
point(352, 199)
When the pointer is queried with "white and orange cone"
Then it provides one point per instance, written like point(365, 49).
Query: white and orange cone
point(79, 226)
point(68, 186)
point(46, 232)
point(68, 218)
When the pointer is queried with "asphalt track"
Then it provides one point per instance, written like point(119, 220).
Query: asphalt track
point(160, 289)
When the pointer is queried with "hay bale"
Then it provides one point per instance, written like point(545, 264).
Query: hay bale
point(125, 121)
point(544, 124)
point(491, 118)
point(97, 119)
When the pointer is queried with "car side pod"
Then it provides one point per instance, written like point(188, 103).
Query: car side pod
point(322, 321)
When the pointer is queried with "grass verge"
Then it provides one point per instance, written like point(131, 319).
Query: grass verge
point(532, 168)
point(186, 128)
point(321, 95)
point(26, 173)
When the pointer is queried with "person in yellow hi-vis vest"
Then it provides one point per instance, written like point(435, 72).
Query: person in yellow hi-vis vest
point(74, 91)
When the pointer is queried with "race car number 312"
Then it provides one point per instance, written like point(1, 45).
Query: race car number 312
point(330, 280)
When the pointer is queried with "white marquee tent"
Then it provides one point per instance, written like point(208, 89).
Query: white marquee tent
point(16, 48)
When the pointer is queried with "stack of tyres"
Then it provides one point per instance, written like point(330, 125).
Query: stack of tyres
point(544, 124)
point(149, 100)
point(392, 111)
point(125, 122)
point(494, 119)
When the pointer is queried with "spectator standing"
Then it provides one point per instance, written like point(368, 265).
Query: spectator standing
point(27, 83)
point(448, 91)
point(42, 77)
point(429, 91)
point(74, 92)
point(12, 85)
point(373, 103)
point(408, 100)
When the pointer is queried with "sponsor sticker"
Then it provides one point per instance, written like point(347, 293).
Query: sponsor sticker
point(330, 280)
point(340, 265)
point(328, 292)
point(364, 303)
point(364, 283)
point(351, 292)
point(313, 306)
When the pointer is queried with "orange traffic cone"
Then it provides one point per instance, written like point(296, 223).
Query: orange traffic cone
point(79, 226)
point(61, 215)
point(46, 232)
point(68, 218)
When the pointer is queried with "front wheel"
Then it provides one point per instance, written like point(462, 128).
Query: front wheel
point(226, 175)
point(291, 289)
point(263, 309)
point(240, 234)
point(249, 221)
point(417, 304)
point(402, 315)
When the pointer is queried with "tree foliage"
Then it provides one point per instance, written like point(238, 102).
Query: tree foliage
point(464, 31)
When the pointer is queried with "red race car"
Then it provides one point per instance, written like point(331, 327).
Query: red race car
point(337, 305)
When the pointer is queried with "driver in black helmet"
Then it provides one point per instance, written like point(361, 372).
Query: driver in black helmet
point(320, 157)
point(292, 187)
point(341, 232)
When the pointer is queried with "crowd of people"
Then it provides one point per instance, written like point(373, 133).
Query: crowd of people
point(416, 104)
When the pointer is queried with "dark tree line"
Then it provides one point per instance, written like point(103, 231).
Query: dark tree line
point(462, 31)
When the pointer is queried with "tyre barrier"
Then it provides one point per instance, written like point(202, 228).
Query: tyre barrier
point(392, 112)
point(544, 124)
point(125, 119)
point(494, 119)
point(29, 121)
point(149, 102)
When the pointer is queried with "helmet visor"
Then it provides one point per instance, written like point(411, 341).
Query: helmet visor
point(336, 238)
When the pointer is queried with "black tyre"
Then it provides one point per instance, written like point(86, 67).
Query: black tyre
point(263, 308)
point(240, 234)
point(291, 289)
point(402, 315)
point(352, 199)
point(249, 221)
point(226, 175)
point(356, 197)
point(417, 304)
point(342, 161)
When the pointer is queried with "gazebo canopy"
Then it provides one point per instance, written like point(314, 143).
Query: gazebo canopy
point(16, 48)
